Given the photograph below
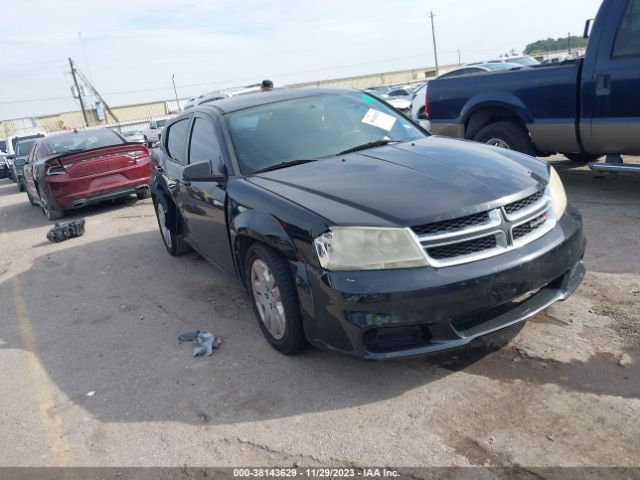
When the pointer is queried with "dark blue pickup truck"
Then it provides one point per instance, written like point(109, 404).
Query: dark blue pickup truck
point(583, 108)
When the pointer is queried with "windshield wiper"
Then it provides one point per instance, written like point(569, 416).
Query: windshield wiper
point(280, 165)
point(365, 146)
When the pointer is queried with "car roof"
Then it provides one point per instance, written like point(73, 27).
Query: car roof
point(241, 102)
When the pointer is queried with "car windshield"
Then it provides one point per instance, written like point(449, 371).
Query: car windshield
point(24, 148)
point(3, 146)
point(83, 140)
point(313, 127)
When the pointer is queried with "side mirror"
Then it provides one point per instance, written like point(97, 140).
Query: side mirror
point(202, 172)
point(20, 162)
point(587, 27)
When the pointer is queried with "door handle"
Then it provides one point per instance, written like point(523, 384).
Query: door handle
point(603, 85)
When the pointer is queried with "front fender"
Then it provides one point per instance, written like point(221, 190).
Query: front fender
point(262, 227)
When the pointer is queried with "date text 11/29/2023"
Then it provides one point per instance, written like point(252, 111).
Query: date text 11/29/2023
point(315, 472)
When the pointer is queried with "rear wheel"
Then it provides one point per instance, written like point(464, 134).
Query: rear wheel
point(20, 186)
point(174, 245)
point(582, 157)
point(31, 200)
point(507, 135)
point(49, 210)
point(143, 194)
point(275, 302)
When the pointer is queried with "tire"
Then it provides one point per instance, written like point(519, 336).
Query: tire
point(175, 246)
point(507, 135)
point(582, 157)
point(21, 187)
point(274, 299)
point(143, 194)
point(31, 200)
point(51, 212)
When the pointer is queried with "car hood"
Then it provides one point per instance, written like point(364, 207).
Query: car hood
point(409, 183)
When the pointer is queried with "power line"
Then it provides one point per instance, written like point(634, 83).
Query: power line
point(245, 79)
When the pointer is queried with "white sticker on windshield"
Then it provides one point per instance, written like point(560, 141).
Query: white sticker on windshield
point(379, 119)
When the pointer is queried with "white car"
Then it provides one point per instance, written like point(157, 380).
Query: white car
point(152, 134)
point(399, 103)
point(418, 102)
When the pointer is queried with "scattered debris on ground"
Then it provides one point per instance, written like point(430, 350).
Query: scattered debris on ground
point(204, 342)
point(66, 230)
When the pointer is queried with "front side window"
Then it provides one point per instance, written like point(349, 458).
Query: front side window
point(177, 140)
point(204, 144)
point(627, 42)
point(313, 127)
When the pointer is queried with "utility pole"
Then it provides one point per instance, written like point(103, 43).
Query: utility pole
point(75, 82)
point(435, 50)
point(173, 80)
point(569, 41)
point(459, 59)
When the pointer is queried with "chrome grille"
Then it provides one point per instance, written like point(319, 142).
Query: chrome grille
point(529, 227)
point(463, 248)
point(485, 234)
point(453, 225)
point(514, 207)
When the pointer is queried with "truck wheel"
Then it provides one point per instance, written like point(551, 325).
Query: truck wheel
point(507, 135)
point(174, 245)
point(582, 157)
point(275, 302)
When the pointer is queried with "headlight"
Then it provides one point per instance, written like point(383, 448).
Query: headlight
point(369, 248)
point(558, 197)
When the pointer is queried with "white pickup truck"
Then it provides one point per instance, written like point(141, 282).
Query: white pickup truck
point(152, 134)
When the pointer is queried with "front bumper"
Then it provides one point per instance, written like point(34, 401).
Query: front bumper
point(400, 313)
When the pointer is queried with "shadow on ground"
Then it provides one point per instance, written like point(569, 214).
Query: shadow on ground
point(107, 315)
point(21, 215)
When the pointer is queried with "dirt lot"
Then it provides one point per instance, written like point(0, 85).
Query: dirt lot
point(102, 313)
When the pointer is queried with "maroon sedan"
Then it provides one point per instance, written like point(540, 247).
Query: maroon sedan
point(71, 170)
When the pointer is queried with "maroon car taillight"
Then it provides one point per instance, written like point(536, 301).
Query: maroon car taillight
point(53, 167)
point(136, 155)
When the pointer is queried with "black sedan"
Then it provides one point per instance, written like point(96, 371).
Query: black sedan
point(354, 229)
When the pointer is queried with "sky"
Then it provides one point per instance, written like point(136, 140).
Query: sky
point(130, 49)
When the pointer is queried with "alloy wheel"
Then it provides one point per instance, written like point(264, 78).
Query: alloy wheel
point(266, 295)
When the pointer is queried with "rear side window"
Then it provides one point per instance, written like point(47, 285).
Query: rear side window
point(627, 42)
point(204, 144)
point(177, 140)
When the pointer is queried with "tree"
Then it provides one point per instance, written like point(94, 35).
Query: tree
point(551, 45)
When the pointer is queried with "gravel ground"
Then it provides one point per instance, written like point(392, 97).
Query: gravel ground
point(93, 375)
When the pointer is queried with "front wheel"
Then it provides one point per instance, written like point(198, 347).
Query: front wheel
point(509, 135)
point(582, 157)
point(275, 302)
